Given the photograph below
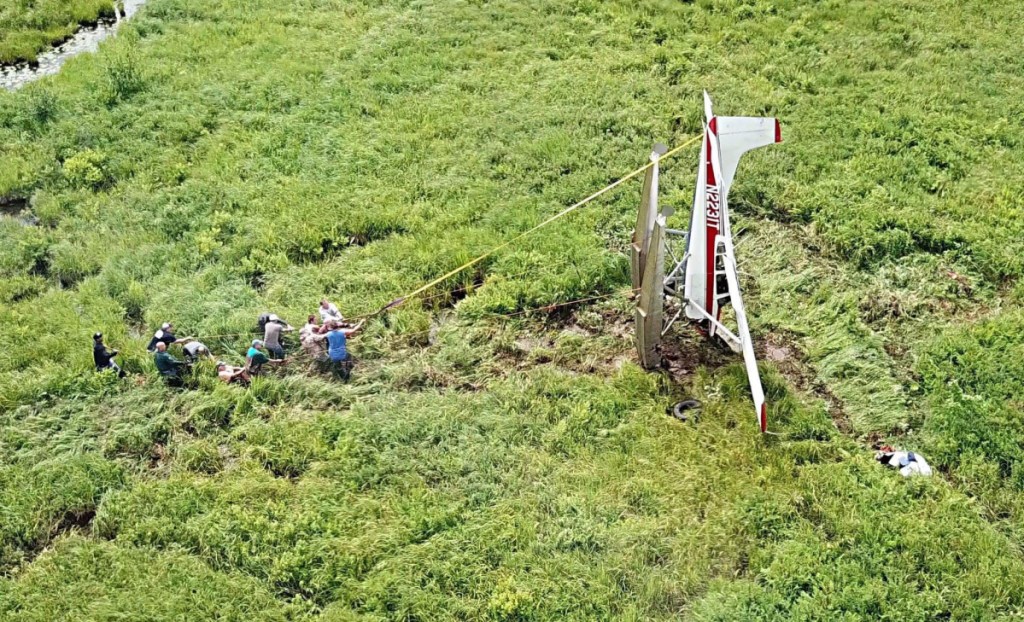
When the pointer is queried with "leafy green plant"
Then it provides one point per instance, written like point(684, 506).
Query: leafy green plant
point(87, 169)
point(124, 76)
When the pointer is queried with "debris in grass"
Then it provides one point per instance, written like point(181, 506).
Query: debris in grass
point(679, 410)
point(908, 462)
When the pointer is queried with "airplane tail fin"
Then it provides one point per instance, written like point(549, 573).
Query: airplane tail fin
point(738, 135)
point(712, 279)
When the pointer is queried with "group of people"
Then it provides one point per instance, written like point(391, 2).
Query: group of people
point(325, 343)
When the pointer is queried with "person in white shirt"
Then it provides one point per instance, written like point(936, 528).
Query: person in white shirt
point(195, 350)
point(329, 312)
point(312, 339)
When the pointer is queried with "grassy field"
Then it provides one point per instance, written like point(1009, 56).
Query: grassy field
point(219, 159)
point(28, 27)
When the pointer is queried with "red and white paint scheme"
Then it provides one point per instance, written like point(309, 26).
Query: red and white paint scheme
point(710, 274)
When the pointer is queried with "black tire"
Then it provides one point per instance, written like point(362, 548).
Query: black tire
point(679, 410)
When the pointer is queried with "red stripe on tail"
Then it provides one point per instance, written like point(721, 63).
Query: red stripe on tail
point(712, 214)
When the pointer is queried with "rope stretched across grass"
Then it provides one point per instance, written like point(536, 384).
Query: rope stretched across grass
point(444, 294)
point(397, 302)
point(545, 308)
point(542, 308)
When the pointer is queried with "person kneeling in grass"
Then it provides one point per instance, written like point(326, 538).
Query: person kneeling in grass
point(312, 339)
point(337, 348)
point(329, 312)
point(255, 358)
point(195, 350)
point(169, 367)
point(230, 374)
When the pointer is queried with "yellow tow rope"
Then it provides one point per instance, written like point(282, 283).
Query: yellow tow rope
point(575, 206)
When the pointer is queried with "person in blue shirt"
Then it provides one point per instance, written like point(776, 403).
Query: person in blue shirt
point(338, 358)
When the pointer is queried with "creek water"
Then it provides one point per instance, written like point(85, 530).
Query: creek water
point(18, 209)
point(12, 206)
point(87, 39)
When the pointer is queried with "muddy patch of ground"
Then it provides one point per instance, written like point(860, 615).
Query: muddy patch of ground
point(685, 349)
point(13, 206)
point(785, 354)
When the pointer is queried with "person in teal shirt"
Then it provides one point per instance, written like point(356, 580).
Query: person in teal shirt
point(256, 358)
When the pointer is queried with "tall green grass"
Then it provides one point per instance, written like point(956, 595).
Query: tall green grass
point(221, 159)
point(87, 579)
point(548, 496)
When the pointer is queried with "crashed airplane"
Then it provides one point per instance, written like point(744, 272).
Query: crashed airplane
point(705, 278)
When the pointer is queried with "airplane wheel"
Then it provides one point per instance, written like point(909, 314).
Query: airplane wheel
point(679, 410)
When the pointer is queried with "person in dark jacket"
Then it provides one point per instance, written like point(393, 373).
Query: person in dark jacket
point(166, 336)
point(169, 367)
point(104, 358)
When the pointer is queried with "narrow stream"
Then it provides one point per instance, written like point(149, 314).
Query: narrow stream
point(18, 209)
point(87, 39)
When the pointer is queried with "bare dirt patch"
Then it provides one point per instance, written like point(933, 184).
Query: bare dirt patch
point(783, 351)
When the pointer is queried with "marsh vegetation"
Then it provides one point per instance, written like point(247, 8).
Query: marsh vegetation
point(28, 27)
point(219, 159)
